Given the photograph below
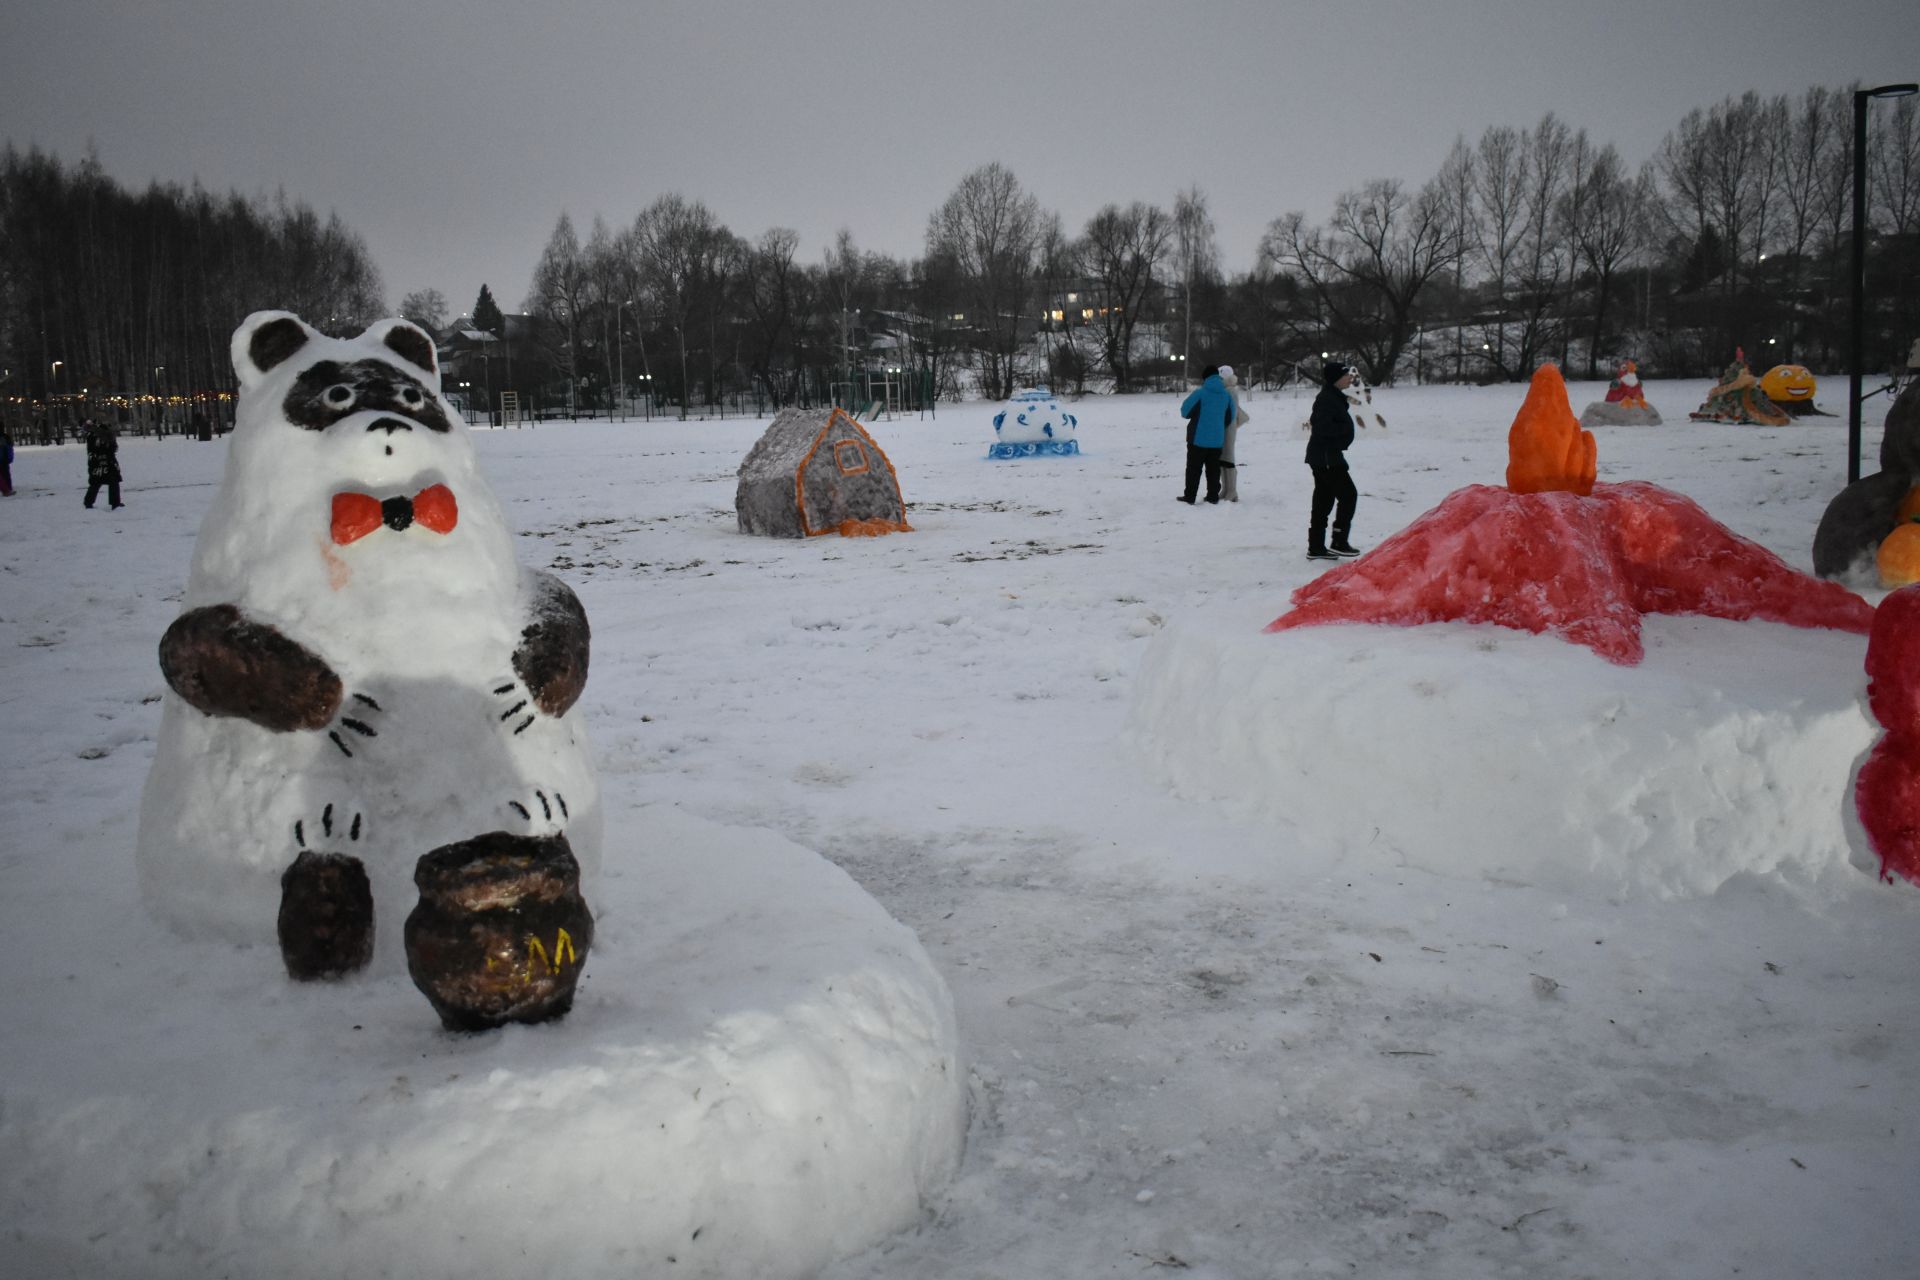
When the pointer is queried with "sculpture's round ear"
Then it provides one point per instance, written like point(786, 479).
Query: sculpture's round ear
point(410, 342)
point(265, 339)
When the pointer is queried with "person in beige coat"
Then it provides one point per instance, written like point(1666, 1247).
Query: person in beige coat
point(1229, 473)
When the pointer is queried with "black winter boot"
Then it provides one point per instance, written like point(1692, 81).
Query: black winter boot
point(1317, 546)
point(1341, 547)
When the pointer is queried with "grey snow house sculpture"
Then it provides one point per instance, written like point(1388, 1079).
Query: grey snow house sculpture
point(817, 471)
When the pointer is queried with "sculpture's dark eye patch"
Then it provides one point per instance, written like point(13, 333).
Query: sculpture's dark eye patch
point(330, 391)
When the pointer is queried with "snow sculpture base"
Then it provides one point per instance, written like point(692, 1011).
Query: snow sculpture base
point(1604, 413)
point(1035, 449)
point(1728, 752)
point(760, 1074)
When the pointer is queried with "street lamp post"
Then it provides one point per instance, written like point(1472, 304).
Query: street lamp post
point(621, 356)
point(1859, 318)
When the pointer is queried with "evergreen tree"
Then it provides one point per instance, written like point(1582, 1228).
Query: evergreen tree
point(486, 314)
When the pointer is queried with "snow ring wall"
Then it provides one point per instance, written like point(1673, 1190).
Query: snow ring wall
point(760, 1075)
point(1482, 752)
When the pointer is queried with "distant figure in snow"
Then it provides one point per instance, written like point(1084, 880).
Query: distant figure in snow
point(6, 464)
point(1333, 490)
point(1229, 472)
point(1207, 410)
point(103, 463)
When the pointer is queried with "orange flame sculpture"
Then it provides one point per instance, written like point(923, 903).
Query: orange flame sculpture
point(1547, 452)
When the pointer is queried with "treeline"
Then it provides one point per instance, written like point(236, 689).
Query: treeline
point(1525, 245)
point(134, 295)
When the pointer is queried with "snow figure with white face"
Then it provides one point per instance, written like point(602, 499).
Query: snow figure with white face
point(362, 672)
point(1034, 423)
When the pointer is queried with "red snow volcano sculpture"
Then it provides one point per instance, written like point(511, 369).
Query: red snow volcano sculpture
point(1887, 792)
point(1569, 556)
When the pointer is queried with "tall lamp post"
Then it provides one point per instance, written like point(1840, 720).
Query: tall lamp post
point(621, 356)
point(1859, 320)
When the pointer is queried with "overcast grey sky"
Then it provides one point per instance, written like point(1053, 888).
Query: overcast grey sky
point(451, 133)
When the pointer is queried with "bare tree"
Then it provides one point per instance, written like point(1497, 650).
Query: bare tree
point(1500, 195)
point(684, 254)
point(1893, 167)
point(1366, 271)
point(990, 229)
point(426, 308)
point(1456, 179)
point(1199, 255)
point(1603, 214)
point(1119, 251)
point(559, 293)
point(773, 289)
point(1810, 185)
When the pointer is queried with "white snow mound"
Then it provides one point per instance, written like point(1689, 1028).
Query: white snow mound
point(1484, 752)
point(761, 1074)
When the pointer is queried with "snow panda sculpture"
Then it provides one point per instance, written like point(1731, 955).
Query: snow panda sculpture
point(1033, 423)
point(362, 674)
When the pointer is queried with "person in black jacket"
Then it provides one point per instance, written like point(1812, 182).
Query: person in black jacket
point(1333, 490)
point(103, 464)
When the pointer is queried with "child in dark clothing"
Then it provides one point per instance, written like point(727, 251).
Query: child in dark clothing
point(103, 464)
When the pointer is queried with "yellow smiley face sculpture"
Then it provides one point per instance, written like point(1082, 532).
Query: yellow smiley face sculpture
point(1788, 384)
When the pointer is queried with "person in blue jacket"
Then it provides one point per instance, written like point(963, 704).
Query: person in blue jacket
point(1333, 490)
point(1207, 410)
point(6, 464)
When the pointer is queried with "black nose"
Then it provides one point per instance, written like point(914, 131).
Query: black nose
point(389, 425)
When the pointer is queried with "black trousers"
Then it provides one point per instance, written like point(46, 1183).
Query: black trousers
point(113, 492)
point(1333, 492)
point(1199, 458)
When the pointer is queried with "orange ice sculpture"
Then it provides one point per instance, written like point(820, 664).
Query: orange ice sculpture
point(1547, 452)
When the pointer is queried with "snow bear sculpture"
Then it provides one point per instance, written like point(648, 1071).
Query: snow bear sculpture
point(1034, 423)
point(362, 673)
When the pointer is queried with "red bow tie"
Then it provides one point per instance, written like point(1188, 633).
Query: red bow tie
point(355, 515)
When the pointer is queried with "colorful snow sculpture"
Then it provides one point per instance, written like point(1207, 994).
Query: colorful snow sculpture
point(1582, 564)
point(1897, 559)
point(1739, 399)
point(1626, 403)
point(1863, 514)
point(1790, 387)
point(817, 471)
point(1546, 449)
point(1033, 424)
point(362, 671)
point(1887, 792)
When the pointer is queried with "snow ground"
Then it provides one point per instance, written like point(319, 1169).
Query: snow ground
point(1201, 1038)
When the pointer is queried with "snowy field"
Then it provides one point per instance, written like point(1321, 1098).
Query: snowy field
point(1271, 955)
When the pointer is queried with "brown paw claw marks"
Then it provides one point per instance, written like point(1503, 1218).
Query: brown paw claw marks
point(517, 702)
point(354, 723)
point(553, 810)
point(347, 828)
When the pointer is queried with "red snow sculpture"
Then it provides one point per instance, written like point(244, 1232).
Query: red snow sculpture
point(1583, 565)
point(1887, 792)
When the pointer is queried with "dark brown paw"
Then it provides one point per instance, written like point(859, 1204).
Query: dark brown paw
point(326, 916)
point(225, 664)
